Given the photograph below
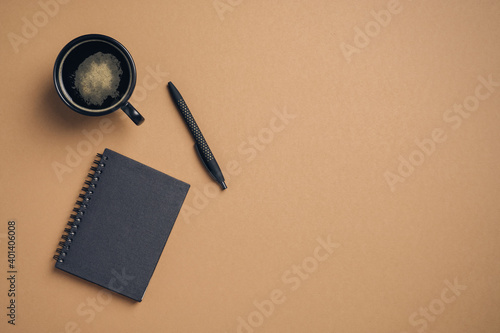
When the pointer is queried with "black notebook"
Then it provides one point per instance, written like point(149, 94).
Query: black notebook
point(120, 224)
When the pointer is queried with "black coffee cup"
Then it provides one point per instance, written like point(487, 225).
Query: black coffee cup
point(95, 75)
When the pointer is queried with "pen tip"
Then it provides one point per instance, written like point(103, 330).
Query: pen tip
point(223, 185)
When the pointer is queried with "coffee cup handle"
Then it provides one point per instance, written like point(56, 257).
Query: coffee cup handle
point(133, 114)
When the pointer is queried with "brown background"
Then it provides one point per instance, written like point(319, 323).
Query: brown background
point(321, 176)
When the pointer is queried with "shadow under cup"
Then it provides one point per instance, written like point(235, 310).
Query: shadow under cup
point(70, 60)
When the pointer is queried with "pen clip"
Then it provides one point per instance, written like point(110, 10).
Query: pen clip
point(203, 161)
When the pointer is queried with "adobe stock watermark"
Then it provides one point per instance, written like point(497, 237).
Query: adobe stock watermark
point(249, 149)
point(94, 137)
point(31, 26)
point(363, 37)
point(92, 306)
point(225, 6)
point(292, 279)
point(421, 319)
point(453, 119)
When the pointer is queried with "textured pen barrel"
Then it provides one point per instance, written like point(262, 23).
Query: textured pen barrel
point(202, 145)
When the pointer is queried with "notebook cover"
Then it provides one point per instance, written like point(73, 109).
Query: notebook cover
point(124, 222)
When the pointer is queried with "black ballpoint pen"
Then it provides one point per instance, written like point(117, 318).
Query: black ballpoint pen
point(201, 145)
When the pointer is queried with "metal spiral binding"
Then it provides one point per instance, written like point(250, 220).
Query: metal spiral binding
point(80, 207)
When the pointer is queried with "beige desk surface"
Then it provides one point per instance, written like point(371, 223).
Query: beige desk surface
point(363, 195)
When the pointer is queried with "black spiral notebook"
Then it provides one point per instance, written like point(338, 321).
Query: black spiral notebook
point(120, 224)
